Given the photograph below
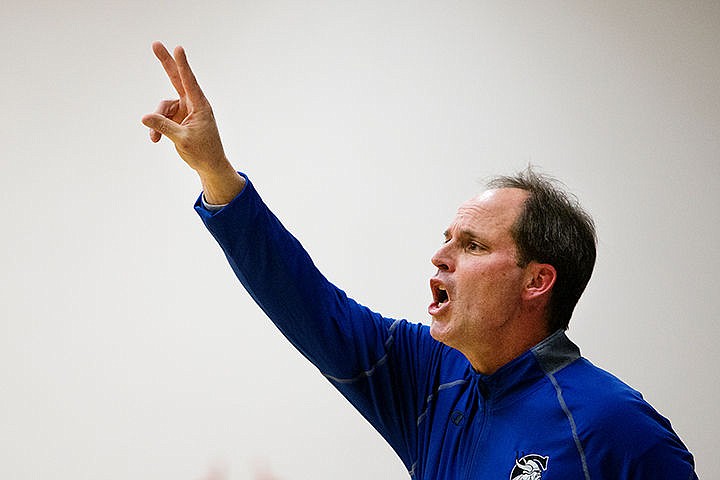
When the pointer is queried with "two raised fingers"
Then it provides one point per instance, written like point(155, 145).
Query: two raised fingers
point(183, 80)
point(180, 74)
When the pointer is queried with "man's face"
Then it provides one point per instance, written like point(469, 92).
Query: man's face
point(478, 285)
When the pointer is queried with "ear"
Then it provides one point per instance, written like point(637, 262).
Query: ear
point(540, 280)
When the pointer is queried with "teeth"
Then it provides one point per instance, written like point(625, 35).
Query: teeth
point(441, 288)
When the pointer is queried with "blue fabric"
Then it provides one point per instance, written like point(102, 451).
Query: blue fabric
point(548, 413)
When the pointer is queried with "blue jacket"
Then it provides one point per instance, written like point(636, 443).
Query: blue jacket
point(548, 414)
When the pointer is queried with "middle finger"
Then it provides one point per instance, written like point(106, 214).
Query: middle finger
point(168, 63)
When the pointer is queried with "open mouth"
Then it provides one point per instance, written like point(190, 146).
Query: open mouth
point(440, 296)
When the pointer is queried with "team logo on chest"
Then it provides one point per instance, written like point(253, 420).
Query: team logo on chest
point(529, 467)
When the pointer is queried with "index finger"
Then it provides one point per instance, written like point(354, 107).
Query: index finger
point(170, 66)
point(193, 90)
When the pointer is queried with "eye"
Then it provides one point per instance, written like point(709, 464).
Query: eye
point(474, 247)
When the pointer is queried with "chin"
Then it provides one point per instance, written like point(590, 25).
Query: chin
point(439, 331)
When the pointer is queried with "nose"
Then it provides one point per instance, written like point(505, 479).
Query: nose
point(442, 258)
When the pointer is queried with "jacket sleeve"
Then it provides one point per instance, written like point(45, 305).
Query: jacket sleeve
point(372, 360)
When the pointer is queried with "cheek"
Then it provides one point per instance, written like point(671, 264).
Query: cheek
point(493, 287)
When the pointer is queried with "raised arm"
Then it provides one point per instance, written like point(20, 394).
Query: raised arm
point(381, 365)
point(190, 124)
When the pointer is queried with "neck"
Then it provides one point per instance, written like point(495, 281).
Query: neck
point(500, 348)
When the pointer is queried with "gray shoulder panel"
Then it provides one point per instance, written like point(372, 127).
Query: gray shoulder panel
point(556, 352)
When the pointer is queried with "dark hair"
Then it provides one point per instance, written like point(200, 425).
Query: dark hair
point(554, 229)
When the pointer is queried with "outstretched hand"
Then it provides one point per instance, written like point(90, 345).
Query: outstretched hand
point(190, 124)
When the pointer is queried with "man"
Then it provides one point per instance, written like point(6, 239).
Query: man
point(493, 389)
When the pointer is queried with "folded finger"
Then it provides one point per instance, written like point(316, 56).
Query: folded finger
point(168, 109)
point(155, 136)
point(168, 63)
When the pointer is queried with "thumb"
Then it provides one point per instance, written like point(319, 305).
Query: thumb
point(162, 125)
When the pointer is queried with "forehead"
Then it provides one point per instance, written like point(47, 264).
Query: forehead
point(496, 208)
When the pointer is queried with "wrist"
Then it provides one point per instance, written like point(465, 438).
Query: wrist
point(221, 185)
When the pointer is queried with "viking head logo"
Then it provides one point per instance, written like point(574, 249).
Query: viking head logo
point(529, 467)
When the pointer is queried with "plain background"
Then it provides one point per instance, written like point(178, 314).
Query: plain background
point(127, 348)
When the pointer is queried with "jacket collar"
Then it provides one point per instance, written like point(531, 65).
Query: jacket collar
point(546, 358)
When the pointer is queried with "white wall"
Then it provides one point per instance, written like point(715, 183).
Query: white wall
point(127, 348)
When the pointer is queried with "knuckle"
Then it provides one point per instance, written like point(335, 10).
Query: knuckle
point(166, 107)
point(161, 127)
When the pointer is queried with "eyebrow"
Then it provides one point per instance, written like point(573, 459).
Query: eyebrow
point(464, 233)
